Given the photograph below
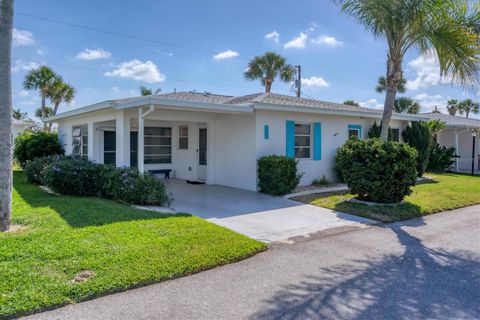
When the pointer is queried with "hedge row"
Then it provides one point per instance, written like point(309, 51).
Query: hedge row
point(78, 176)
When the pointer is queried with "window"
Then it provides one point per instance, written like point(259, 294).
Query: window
point(158, 145)
point(183, 137)
point(80, 141)
point(353, 133)
point(395, 134)
point(302, 140)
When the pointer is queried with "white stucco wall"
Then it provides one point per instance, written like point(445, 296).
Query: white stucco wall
point(235, 151)
point(446, 137)
point(334, 135)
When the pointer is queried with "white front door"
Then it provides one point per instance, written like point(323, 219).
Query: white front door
point(202, 154)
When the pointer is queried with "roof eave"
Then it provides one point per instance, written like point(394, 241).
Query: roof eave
point(91, 108)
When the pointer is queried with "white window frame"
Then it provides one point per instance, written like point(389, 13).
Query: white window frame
point(399, 134)
point(354, 129)
point(83, 145)
point(310, 135)
point(159, 145)
point(180, 137)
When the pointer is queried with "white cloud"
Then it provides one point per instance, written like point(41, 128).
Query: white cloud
point(23, 93)
point(371, 103)
point(274, 36)
point(93, 54)
point(137, 70)
point(315, 82)
point(298, 42)
point(21, 65)
point(427, 69)
point(327, 41)
point(226, 55)
point(428, 102)
point(22, 37)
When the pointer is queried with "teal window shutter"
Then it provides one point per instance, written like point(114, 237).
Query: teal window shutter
point(266, 133)
point(317, 141)
point(290, 139)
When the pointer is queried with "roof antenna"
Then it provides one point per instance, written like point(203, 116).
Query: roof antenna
point(174, 90)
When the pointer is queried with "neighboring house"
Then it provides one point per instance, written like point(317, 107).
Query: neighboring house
point(458, 134)
point(217, 138)
point(19, 126)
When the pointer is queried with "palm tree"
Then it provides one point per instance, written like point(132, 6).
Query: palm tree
point(406, 104)
point(42, 79)
point(351, 103)
point(437, 27)
point(452, 106)
point(267, 68)
point(144, 91)
point(6, 153)
point(468, 106)
point(382, 85)
point(48, 112)
point(18, 114)
point(60, 92)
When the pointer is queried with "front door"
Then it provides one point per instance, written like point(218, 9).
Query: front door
point(202, 154)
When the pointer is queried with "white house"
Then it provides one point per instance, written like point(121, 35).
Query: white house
point(458, 133)
point(217, 138)
point(19, 126)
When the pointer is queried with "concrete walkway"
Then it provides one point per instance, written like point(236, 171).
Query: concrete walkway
point(420, 269)
point(257, 215)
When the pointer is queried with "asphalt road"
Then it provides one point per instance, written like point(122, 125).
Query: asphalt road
point(423, 268)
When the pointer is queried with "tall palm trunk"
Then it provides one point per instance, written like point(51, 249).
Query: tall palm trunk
point(6, 178)
point(467, 112)
point(44, 111)
point(55, 109)
point(268, 85)
point(394, 76)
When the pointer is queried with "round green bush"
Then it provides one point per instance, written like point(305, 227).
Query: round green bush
point(30, 145)
point(74, 176)
point(376, 170)
point(128, 185)
point(35, 169)
point(277, 175)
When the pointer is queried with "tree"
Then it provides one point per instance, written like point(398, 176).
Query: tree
point(6, 152)
point(452, 106)
point(48, 112)
point(144, 91)
point(447, 29)
point(42, 79)
point(382, 85)
point(269, 67)
point(351, 103)
point(60, 92)
point(18, 114)
point(406, 104)
point(468, 106)
point(419, 136)
point(435, 126)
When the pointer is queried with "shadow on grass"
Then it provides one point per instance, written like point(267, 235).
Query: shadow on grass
point(81, 212)
point(384, 213)
point(420, 283)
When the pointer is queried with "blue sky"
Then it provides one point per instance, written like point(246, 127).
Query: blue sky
point(206, 45)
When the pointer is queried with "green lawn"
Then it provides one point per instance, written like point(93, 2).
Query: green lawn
point(447, 191)
point(61, 236)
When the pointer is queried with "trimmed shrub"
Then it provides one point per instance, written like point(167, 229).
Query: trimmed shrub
point(419, 136)
point(34, 170)
point(128, 185)
point(441, 158)
point(74, 176)
point(377, 171)
point(375, 131)
point(30, 145)
point(277, 175)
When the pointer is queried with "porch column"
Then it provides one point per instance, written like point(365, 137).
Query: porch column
point(122, 132)
point(91, 141)
point(456, 150)
point(141, 141)
point(141, 134)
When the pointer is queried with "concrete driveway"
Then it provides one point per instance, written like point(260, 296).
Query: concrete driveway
point(257, 215)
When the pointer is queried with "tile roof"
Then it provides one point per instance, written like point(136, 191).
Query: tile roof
point(454, 121)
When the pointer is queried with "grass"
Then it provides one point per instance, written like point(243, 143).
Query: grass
point(59, 236)
point(445, 192)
